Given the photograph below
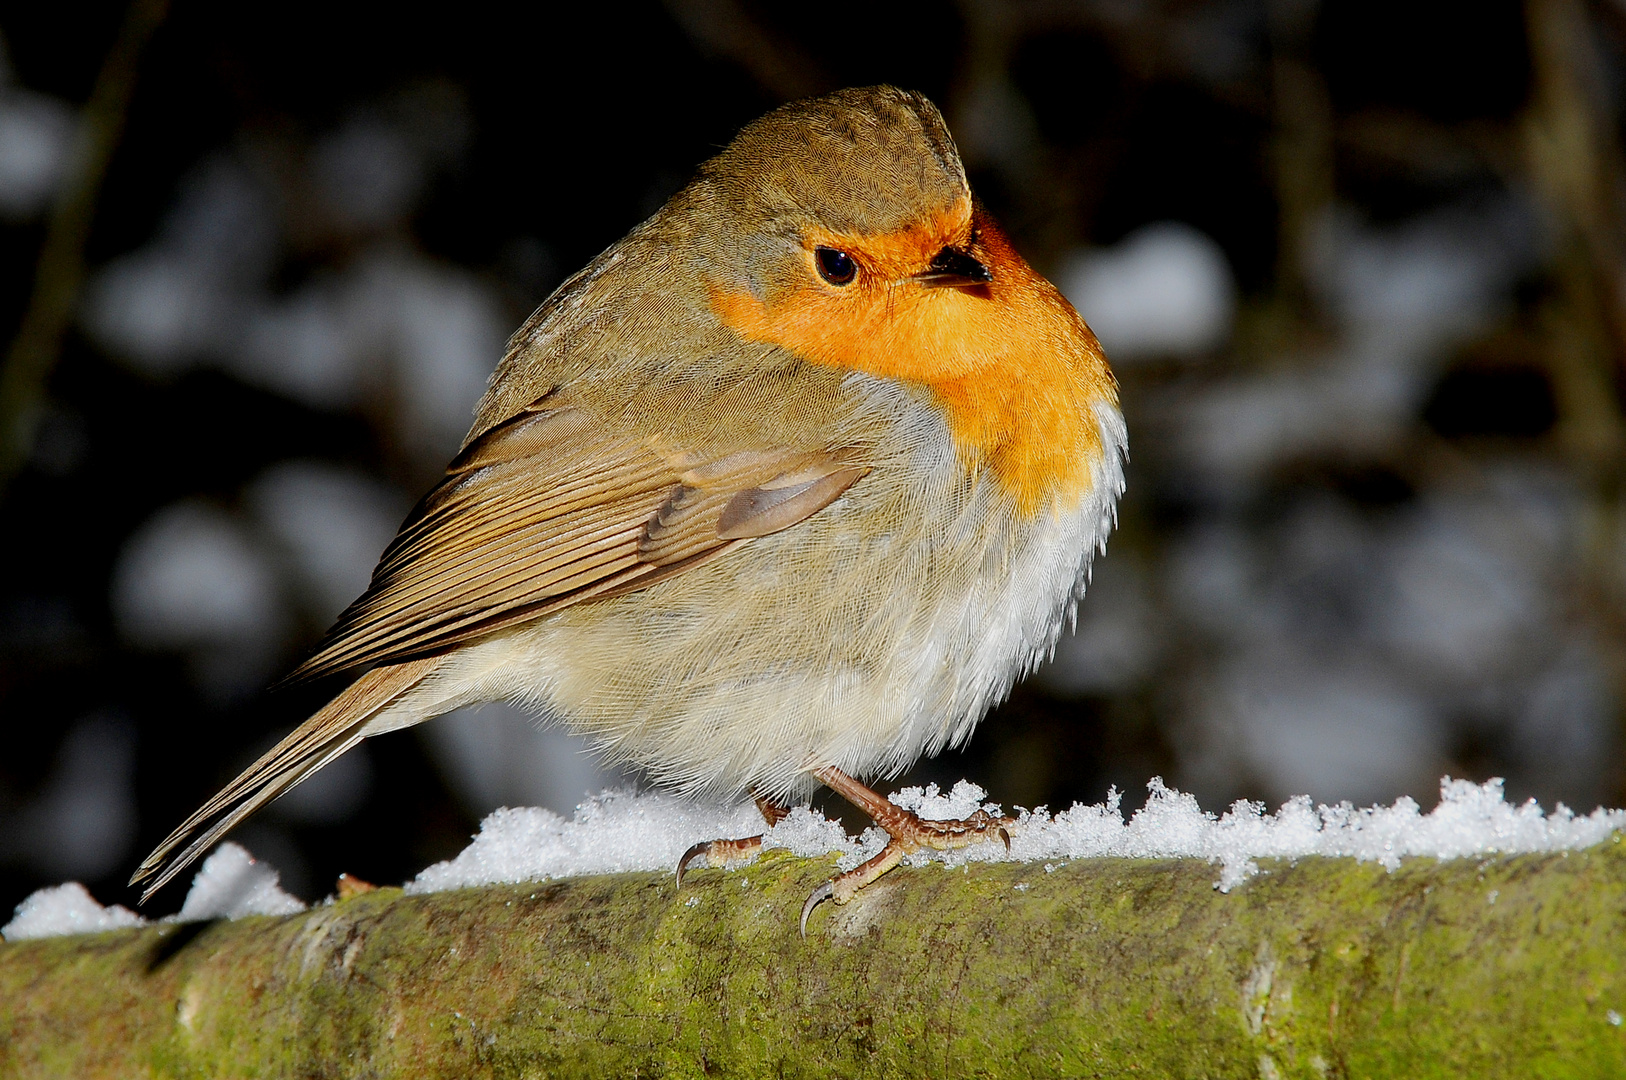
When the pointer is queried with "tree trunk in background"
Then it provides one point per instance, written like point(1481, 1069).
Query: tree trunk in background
point(1105, 967)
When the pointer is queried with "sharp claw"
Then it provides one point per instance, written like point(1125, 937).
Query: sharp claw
point(1005, 835)
point(820, 895)
point(690, 856)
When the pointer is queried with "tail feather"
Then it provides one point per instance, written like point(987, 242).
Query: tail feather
point(334, 729)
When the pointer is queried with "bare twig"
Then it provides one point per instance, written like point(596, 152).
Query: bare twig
point(723, 27)
point(61, 266)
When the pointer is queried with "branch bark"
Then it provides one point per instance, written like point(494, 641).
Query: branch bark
point(1105, 968)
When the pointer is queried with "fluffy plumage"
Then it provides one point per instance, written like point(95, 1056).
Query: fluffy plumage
point(732, 520)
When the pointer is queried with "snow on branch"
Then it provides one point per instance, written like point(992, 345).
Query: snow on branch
point(1105, 948)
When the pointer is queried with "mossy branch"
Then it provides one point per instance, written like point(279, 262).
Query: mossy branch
point(1107, 967)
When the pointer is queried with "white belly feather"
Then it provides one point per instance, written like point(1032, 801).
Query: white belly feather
point(881, 629)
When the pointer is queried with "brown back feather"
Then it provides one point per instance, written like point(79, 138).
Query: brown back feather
point(553, 507)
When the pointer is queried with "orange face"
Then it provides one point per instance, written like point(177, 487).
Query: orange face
point(1015, 369)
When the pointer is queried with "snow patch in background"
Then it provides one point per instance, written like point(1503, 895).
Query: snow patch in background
point(1165, 290)
point(497, 754)
point(36, 140)
point(389, 327)
point(1118, 639)
point(83, 821)
point(329, 523)
point(192, 578)
point(617, 832)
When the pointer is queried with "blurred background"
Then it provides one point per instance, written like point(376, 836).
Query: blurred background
point(1360, 266)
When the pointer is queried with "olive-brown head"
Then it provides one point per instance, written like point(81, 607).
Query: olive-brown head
point(843, 230)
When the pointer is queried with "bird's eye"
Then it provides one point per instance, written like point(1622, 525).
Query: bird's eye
point(836, 267)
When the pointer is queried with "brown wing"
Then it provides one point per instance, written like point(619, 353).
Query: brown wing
point(550, 509)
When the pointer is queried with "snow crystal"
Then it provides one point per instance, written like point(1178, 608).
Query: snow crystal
point(611, 833)
point(65, 909)
point(1471, 819)
point(621, 831)
point(808, 833)
point(232, 884)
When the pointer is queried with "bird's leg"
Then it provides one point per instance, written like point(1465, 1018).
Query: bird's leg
point(718, 853)
point(907, 832)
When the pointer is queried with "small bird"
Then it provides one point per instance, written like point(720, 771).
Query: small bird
point(787, 487)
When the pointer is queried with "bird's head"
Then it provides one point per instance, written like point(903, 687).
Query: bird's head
point(843, 230)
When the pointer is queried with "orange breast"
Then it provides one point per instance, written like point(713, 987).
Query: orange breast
point(1015, 369)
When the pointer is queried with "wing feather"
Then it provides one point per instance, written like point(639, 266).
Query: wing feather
point(554, 507)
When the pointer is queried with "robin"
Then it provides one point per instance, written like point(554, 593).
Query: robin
point(785, 488)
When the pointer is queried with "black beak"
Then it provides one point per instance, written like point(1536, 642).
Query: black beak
point(954, 269)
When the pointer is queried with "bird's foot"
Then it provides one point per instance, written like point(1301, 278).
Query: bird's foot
point(908, 833)
point(720, 853)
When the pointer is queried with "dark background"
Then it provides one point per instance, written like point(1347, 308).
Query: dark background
point(1358, 264)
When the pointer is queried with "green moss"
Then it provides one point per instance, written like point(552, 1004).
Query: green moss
point(1104, 967)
